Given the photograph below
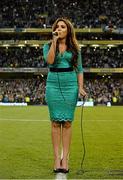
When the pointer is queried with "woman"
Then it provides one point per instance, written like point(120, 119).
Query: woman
point(64, 82)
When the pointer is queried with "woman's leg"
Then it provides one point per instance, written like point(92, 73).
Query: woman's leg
point(66, 141)
point(56, 140)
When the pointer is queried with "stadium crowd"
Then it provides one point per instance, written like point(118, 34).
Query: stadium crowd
point(32, 91)
point(21, 57)
point(102, 57)
point(102, 91)
point(22, 90)
point(42, 13)
point(32, 57)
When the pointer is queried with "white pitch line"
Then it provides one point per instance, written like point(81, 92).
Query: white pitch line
point(45, 120)
point(30, 120)
point(60, 176)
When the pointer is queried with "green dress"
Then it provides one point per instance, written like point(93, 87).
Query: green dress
point(62, 87)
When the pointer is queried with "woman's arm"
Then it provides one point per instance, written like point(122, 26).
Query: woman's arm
point(80, 75)
point(80, 84)
point(52, 51)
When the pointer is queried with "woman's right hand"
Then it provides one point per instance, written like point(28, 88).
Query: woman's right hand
point(55, 36)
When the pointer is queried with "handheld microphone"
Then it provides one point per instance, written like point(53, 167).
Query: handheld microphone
point(55, 33)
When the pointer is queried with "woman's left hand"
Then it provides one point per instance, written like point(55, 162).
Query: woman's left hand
point(82, 92)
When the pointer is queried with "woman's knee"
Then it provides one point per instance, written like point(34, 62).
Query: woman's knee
point(67, 124)
point(56, 124)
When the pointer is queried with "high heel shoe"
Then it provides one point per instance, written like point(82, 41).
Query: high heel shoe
point(57, 164)
point(65, 171)
point(58, 170)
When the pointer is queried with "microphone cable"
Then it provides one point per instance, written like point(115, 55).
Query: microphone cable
point(81, 171)
point(61, 91)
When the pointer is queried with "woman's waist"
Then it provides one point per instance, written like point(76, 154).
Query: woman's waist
point(61, 69)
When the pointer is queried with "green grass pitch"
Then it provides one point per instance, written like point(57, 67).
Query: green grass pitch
point(26, 149)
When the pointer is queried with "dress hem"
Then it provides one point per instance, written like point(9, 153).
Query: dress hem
point(62, 120)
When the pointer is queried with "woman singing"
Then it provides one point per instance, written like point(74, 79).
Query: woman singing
point(64, 83)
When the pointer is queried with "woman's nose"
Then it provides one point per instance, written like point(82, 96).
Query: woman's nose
point(59, 28)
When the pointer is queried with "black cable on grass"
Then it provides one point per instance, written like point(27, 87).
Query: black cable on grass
point(81, 171)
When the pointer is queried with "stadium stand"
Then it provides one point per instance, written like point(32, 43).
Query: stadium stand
point(25, 26)
point(101, 91)
point(32, 57)
point(84, 14)
point(22, 90)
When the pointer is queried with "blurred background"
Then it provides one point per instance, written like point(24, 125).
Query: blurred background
point(26, 25)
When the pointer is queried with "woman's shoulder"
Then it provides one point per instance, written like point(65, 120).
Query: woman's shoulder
point(46, 45)
point(46, 48)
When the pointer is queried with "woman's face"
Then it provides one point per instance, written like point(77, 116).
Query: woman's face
point(62, 30)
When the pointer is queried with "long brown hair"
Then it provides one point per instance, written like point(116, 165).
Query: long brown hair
point(71, 41)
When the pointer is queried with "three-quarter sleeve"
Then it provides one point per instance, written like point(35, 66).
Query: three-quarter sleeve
point(45, 51)
point(79, 63)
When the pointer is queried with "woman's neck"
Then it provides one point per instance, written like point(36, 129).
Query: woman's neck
point(62, 41)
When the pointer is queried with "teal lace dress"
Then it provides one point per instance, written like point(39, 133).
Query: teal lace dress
point(62, 87)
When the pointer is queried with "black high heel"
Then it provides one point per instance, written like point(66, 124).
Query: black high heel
point(62, 169)
point(58, 170)
point(65, 171)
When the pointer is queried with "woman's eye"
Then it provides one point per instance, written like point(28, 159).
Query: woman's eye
point(63, 26)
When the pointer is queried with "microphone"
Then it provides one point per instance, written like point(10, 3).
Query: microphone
point(55, 33)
